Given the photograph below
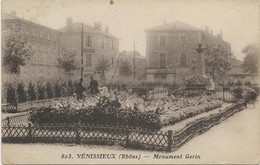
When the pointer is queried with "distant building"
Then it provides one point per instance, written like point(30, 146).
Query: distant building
point(44, 42)
point(171, 50)
point(134, 59)
point(97, 44)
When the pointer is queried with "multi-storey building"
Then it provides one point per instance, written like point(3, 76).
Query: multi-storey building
point(44, 42)
point(171, 51)
point(136, 60)
point(97, 44)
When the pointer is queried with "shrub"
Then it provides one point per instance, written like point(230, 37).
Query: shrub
point(49, 90)
point(70, 88)
point(31, 92)
point(21, 94)
point(10, 94)
point(105, 112)
point(249, 94)
point(41, 91)
point(57, 90)
point(237, 91)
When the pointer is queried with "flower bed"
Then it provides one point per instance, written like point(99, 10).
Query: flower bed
point(105, 112)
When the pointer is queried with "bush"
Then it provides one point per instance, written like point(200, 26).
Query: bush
point(10, 94)
point(70, 88)
point(41, 91)
point(21, 94)
point(249, 94)
point(57, 90)
point(31, 92)
point(237, 91)
point(49, 90)
point(105, 112)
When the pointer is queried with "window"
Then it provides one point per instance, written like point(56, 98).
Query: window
point(183, 60)
point(89, 41)
point(49, 36)
point(112, 61)
point(88, 59)
point(162, 40)
point(154, 40)
point(162, 60)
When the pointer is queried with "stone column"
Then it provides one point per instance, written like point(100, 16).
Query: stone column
point(200, 68)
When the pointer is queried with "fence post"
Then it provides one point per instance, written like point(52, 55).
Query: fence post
point(169, 137)
point(127, 138)
point(8, 127)
point(29, 131)
point(223, 94)
point(77, 132)
point(8, 121)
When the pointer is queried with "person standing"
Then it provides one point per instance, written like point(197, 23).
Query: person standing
point(93, 86)
point(80, 89)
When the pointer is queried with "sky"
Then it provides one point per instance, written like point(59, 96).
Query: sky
point(128, 19)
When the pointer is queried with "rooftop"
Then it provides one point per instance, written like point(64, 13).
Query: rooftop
point(6, 17)
point(76, 27)
point(174, 26)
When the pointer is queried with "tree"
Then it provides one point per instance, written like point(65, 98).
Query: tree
point(15, 51)
point(251, 60)
point(31, 92)
point(125, 68)
point(21, 95)
point(103, 66)
point(217, 60)
point(68, 60)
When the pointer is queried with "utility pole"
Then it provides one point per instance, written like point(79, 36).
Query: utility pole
point(134, 60)
point(82, 51)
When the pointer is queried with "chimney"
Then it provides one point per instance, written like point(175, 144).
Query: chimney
point(69, 23)
point(107, 29)
point(207, 29)
point(97, 25)
point(13, 13)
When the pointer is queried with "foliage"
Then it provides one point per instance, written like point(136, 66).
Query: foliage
point(70, 88)
point(125, 68)
point(216, 60)
point(41, 90)
point(191, 111)
point(105, 112)
point(31, 92)
point(21, 94)
point(11, 94)
point(249, 94)
point(15, 51)
point(251, 60)
point(58, 90)
point(68, 60)
point(103, 66)
point(49, 90)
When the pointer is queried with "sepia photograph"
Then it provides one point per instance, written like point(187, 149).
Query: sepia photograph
point(130, 82)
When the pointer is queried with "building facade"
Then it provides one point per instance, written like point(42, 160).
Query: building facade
point(136, 60)
point(44, 42)
point(172, 51)
point(97, 44)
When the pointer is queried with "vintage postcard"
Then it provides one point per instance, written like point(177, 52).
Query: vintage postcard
point(130, 82)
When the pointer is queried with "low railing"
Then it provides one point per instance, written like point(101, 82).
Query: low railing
point(91, 134)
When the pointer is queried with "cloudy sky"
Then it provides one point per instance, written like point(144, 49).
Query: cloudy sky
point(127, 19)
